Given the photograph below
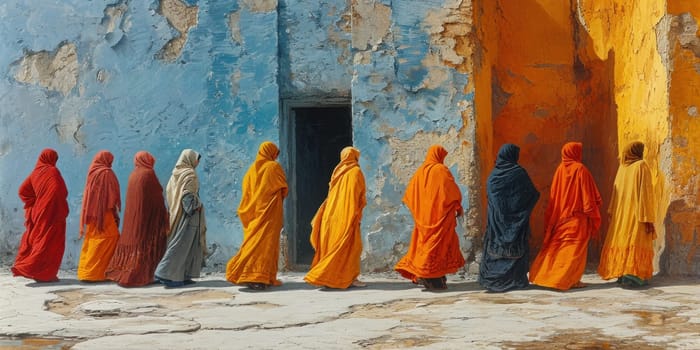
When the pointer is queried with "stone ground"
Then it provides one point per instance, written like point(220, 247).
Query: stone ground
point(388, 314)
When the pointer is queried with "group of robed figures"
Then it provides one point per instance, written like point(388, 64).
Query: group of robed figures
point(167, 244)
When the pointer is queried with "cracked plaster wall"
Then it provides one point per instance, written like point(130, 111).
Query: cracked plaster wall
point(682, 57)
point(411, 88)
point(115, 91)
point(208, 75)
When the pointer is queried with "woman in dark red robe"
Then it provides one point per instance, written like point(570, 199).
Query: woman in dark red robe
point(142, 242)
point(44, 195)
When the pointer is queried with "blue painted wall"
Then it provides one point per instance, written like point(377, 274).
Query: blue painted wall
point(221, 96)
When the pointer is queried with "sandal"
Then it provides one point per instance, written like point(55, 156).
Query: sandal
point(357, 283)
point(257, 286)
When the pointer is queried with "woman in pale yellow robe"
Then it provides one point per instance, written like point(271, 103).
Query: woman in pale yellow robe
point(335, 233)
point(628, 251)
point(99, 220)
point(260, 211)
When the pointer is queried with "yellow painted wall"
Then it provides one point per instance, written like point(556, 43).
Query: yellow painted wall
point(626, 36)
point(683, 219)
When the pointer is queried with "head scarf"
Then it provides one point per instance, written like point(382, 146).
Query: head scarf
point(101, 191)
point(349, 158)
point(144, 159)
point(633, 152)
point(48, 157)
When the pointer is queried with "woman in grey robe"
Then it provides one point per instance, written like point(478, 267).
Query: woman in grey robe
point(186, 238)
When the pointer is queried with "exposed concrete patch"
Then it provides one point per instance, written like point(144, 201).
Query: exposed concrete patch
point(79, 303)
point(234, 19)
point(182, 18)
point(260, 5)
point(450, 29)
point(56, 71)
point(337, 34)
point(114, 17)
point(582, 339)
point(372, 20)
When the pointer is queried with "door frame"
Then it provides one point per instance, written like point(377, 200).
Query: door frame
point(287, 158)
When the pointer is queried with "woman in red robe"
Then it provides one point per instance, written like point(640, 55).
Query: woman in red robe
point(44, 195)
point(142, 243)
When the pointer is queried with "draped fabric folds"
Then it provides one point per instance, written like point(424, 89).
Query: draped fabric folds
point(142, 242)
point(100, 214)
point(511, 198)
point(335, 234)
point(572, 217)
point(629, 244)
point(186, 246)
point(44, 195)
point(434, 200)
point(261, 213)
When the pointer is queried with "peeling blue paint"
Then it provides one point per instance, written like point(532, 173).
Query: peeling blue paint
point(221, 97)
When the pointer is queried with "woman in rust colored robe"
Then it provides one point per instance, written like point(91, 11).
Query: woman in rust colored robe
point(44, 195)
point(143, 239)
point(101, 206)
point(628, 252)
point(260, 211)
point(435, 202)
point(335, 233)
point(571, 219)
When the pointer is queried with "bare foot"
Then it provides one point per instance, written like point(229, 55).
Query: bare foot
point(579, 284)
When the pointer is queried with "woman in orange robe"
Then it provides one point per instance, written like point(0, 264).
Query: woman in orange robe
point(260, 211)
point(335, 233)
point(435, 202)
point(44, 195)
point(628, 251)
point(571, 219)
point(101, 206)
point(143, 239)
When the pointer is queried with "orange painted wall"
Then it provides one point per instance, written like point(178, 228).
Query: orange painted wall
point(533, 89)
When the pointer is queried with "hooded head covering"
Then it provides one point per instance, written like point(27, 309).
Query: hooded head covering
point(633, 152)
point(349, 158)
point(101, 191)
point(144, 159)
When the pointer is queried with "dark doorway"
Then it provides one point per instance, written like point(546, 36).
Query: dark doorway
point(319, 134)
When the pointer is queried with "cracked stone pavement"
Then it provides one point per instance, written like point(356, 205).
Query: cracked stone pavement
point(390, 313)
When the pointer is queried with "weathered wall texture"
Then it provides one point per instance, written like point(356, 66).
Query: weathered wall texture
point(620, 43)
point(210, 75)
point(468, 74)
point(130, 75)
point(682, 60)
point(411, 88)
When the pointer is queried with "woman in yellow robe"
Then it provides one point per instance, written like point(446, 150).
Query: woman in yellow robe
point(335, 233)
point(260, 211)
point(99, 220)
point(628, 251)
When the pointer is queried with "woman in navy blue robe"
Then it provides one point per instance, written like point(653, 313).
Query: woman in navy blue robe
point(511, 198)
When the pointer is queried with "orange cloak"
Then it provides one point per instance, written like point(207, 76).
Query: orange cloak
point(571, 219)
point(261, 213)
point(434, 200)
point(335, 234)
point(101, 205)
